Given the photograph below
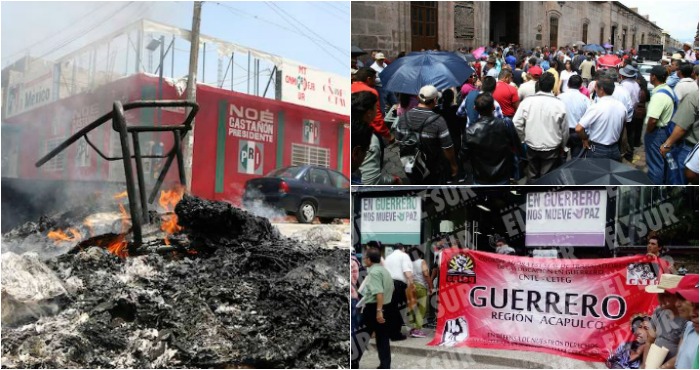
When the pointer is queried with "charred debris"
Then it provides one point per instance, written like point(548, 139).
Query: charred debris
point(226, 291)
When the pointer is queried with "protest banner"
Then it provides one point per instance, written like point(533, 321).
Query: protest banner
point(580, 308)
point(581, 212)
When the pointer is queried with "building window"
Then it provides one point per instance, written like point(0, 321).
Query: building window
point(602, 35)
point(57, 163)
point(584, 37)
point(634, 40)
point(642, 39)
point(307, 154)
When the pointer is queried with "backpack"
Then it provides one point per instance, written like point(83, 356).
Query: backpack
point(413, 155)
point(671, 125)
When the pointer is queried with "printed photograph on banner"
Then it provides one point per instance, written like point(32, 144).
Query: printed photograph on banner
point(549, 93)
point(528, 276)
point(176, 184)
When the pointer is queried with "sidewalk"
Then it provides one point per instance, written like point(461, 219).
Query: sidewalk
point(415, 353)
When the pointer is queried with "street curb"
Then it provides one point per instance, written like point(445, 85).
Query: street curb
point(478, 358)
point(515, 359)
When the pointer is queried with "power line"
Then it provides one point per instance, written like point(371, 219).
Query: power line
point(284, 16)
point(307, 28)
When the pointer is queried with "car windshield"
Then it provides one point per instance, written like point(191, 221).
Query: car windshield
point(645, 69)
point(286, 172)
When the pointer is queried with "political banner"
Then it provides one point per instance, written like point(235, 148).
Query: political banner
point(586, 309)
point(566, 218)
point(310, 87)
point(391, 220)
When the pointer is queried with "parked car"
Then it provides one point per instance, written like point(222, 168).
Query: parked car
point(644, 70)
point(304, 191)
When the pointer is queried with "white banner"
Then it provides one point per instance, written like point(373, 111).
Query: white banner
point(316, 89)
point(566, 218)
point(391, 220)
point(28, 90)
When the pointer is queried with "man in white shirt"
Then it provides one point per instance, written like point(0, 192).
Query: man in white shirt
point(576, 105)
point(503, 248)
point(528, 88)
point(689, 53)
point(601, 126)
point(622, 95)
point(541, 124)
point(385, 97)
point(401, 269)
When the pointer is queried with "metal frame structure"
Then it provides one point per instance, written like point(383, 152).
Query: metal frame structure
point(138, 207)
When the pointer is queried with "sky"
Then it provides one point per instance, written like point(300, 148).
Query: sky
point(679, 18)
point(313, 33)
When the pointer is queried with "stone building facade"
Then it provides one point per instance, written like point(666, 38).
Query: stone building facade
point(408, 26)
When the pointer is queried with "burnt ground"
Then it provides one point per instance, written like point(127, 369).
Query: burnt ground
point(238, 296)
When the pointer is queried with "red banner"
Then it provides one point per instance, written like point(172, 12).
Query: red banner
point(580, 308)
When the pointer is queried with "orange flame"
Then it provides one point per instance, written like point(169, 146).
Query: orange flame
point(59, 236)
point(121, 195)
point(118, 246)
point(168, 200)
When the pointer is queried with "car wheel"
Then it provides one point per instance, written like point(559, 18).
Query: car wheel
point(326, 220)
point(306, 212)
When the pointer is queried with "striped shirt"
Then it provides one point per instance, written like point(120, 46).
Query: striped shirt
point(434, 136)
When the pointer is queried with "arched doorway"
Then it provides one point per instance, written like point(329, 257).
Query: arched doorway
point(553, 31)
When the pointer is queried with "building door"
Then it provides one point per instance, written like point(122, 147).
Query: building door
point(504, 22)
point(553, 31)
point(424, 25)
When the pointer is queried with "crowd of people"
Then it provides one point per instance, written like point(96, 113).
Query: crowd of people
point(522, 113)
point(399, 287)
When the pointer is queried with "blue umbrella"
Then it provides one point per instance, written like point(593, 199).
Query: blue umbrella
point(594, 47)
point(438, 68)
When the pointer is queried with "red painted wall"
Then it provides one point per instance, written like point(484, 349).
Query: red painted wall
point(221, 111)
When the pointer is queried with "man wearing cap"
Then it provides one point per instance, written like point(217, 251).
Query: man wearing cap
point(666, 326)
point(659, 113)
point(600, 128)
point(541, 124)
point(689, 53)
point(687, 304)
point(435, 140)
point(385, 97)
point(629, 83)
point(527, 89)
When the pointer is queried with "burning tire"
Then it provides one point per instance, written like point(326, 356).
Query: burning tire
point(306, 212)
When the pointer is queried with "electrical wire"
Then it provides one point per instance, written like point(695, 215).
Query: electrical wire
point(284, 15)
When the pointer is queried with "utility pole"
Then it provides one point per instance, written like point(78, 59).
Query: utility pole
point(192, 87)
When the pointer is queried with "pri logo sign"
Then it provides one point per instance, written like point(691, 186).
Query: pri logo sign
point(250, 157)
point(312, 131)
point(461, 269)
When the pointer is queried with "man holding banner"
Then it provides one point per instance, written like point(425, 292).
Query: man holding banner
point(576, 308)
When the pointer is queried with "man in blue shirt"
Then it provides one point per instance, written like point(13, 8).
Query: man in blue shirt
point(466, 109)
point(511, 60)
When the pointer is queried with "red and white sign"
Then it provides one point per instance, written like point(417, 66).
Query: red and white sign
point(309, 87)
point(580, 308)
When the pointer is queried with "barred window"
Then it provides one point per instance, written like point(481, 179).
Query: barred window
point(307, 154)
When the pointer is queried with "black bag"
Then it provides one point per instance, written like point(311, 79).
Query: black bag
point(413, 155)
